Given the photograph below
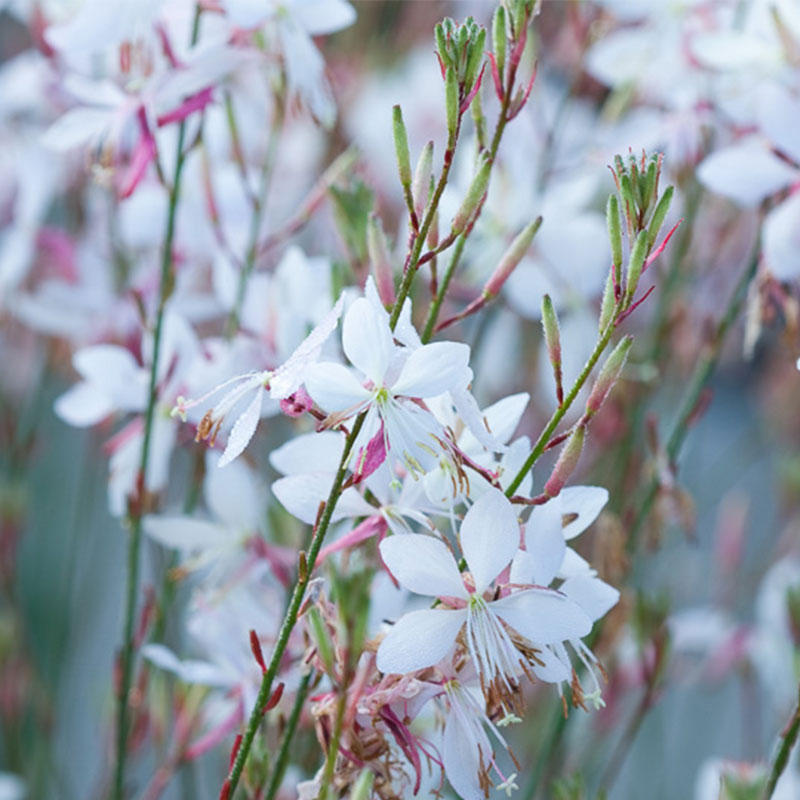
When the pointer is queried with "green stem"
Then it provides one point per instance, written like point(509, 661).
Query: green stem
point(433, 311)
point(784, 749)
point(699, 380)
point(166, 281)
point(558, 415)
point(436, 304)
point(282, 759)
point(333, 745)
point(290, 619)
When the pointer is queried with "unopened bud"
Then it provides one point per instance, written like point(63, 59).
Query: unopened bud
point(659, 215)
point(614, 232)
point(422, 179)
point(649, 185)
point(451, 103)
point(511, 258)
point(499, 38)
point(379, 259)
point(567, 461)
point(608, 375)
point(552, 338)
point(474, 59)
point(628, 202)
point(441, 44)
point(635, 264)
point(319, 633)
point(608, 304)
point(362, 789)
point(401, 147)
point(473, 199)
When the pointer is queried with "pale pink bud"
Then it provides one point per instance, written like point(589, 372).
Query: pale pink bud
point(608, 375)
point(379, 258)
point(567, 461)
point(511, 258)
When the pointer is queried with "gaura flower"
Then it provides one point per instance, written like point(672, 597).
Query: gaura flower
point(489, 539)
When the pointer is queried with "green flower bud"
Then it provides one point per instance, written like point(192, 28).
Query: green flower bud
point(451, 103)
point(473, 199)
point(614, 231)
point(567, 461)
point(401, 147)
point(659, 215)
point(499, 39)
point(635, 265)
point(608, 376)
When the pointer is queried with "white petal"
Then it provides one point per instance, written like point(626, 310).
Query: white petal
point(185, 533)
point(522, 568)
point(333, 387)
point(779, 118)
point(423, 564)
point(367, 340)
point(553, 670)
point(501, 418)
point(594, 596)
point(585, 501)
point(301, 495)
point(188, 671)
point(233, 495)
point(476, 430)
point(489, 537)
point(746, 173)
point(418, 640)
point(543, 617)
point(461, 759)
point(243, 429)
point(288, 377)
point(77, 127)
point(781, 239)
point(83, 405)
point(433, 369)
point(319, 17)
point(323, 450)
point(545, 541)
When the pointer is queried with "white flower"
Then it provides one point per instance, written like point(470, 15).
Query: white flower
point(489, 538)
point(393, 380)
point(280, 383)
point(547, 557)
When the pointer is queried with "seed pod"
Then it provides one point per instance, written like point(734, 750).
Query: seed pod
point(401, 147)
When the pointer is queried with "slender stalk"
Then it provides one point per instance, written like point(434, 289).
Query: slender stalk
point(166, 281)
point(259, 203)
point(292, 612)
point(698, 382)
point(333, 745)
point(558, 414)
point(282, 758)
point(780, 758)
point(436, 304)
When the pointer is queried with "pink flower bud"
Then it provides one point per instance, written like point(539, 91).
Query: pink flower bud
point(511, 258)
point(608, 375)
point(379, 258)
point(567, 461)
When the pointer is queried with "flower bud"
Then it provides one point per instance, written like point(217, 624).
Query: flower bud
point(608, 376)
point(607, 305)
point(499, 39)
point(474, 59)
point(422, 179)
point(512, 257)
point(567, 461)
point(401, 147)
point(614, 231)
point(635, 264)
point(474, 196)
point(379, 259)
point(659, 215)
point(552, 338)
point(451, 103)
